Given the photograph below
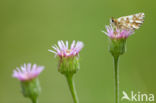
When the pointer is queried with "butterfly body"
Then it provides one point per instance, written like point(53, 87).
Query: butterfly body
point(129, 22)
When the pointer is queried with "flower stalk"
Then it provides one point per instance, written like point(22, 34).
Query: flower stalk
point(116, 80)
point(117, 48)
point(72, 88)
point(34, 100)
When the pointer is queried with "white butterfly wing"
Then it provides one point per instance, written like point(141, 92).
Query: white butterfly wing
point(132, 21)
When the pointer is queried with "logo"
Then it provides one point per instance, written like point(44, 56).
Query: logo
point(137, 97)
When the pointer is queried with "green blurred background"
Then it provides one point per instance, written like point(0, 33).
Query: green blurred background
point(28, 28)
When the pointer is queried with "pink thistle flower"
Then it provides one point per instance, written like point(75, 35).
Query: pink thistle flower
point(115, 33)
point(27, 72)
point(63, 50)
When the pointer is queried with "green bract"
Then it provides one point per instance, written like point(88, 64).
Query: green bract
point(117, 47)
point(31, 89)
point(69, 65)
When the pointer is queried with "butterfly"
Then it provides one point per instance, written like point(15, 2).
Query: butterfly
point(130, 22)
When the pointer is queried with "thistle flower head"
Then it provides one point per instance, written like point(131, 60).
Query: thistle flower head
point(27, 72)
point(68, 56)
point(63, 50)
point(115, 33)
point(117, 39)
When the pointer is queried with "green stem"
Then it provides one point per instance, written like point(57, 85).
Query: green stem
point(72, 87)
point(34, 100)
point(116, 80)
